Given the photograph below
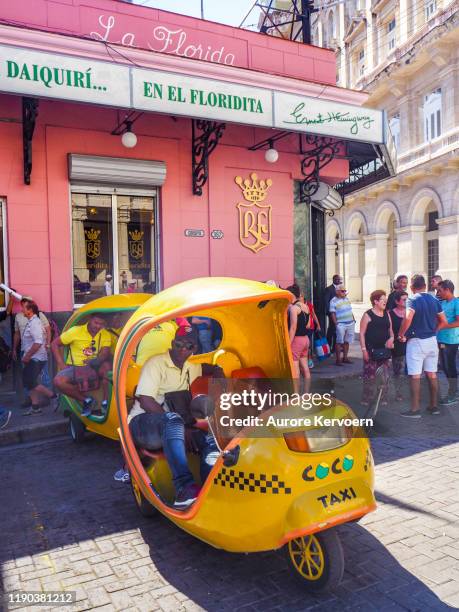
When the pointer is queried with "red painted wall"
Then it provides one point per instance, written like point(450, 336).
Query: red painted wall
point(39, 226)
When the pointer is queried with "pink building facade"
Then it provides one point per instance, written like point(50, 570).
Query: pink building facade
point(82, 214)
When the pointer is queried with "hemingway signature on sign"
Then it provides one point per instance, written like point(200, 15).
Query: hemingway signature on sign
point(164, 41)
point(356, 121)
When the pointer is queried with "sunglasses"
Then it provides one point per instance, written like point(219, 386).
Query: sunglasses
point(180, 344)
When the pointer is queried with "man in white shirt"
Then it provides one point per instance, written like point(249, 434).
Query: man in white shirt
point(151, 423)
point(34, 357)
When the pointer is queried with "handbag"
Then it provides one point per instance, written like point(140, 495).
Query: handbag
point(179, 402)
point(321, 347)
point(380, 354)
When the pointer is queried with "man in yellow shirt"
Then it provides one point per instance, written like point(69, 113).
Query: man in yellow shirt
point(153, 424)
point(88, 357)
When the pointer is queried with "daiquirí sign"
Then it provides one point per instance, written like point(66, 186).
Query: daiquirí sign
point(62, 77)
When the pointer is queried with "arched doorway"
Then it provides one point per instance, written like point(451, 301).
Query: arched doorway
point(386, 225)
point(334, 251)
point(431, 244)
point(354, 256)
point(425, 211)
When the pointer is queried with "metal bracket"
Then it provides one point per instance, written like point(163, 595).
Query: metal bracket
point(323, 151)
point(29, 117)
point(205, 137)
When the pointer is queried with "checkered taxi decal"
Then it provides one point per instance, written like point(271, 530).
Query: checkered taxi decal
point(250, 482)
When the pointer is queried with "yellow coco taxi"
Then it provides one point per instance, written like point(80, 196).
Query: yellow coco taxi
point(288, 487)
point(116, 309)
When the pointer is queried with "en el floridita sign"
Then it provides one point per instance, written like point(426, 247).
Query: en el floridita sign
point(32, 73)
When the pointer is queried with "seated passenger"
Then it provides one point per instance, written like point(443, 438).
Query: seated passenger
point(156, 341)
point(150, 418)
point(88, 359)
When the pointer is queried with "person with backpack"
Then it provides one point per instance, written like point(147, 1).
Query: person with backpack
point(299, 315)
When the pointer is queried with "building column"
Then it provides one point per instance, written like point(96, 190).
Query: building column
point(124, 217)
point(351, 264)
point(369, 51)
point(80, 268)
point(448, 244)
point(341, 33)
point(376, 272)
point(330, 249)
point(411, 255)
point(403, 22)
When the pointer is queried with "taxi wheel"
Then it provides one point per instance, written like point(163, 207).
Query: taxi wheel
point(316, 560)
point(77, 429)
point(144, 506)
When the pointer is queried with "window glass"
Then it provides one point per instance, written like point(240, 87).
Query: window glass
point(136, 244)
point(92, 245)
point(432, 115)
point(394, 125)
point(113, 240)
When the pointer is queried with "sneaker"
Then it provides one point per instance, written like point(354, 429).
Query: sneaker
point(5, 419)
point(411, 415)
point(33, 412)
point(446, 401)
point(26, 403)
point(434, 410)
point(310, 364)
point(122, 475)
point(186, 496)
point(86, 408)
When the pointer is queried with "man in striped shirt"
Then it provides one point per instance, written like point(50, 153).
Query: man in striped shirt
point(342, 316)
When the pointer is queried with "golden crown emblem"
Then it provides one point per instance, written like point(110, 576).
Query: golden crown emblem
point(92, 234)
point(136, 235)
point(254, 191)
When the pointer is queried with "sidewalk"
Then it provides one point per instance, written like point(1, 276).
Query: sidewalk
point(328, 368)
point(23, 428)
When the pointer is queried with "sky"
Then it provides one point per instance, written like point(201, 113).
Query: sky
point(231, 12)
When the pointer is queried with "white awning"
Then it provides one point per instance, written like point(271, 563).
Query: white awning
point(115, 171)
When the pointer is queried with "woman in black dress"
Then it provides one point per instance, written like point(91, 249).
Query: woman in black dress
point(376, 340)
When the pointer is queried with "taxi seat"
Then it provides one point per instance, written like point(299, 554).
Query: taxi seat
point(252, 372)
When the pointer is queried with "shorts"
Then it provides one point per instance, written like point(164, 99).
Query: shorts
point(421, 354)
point(345, 332)
point(300, 347)
point(30, 373)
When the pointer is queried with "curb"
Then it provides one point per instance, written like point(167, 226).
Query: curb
point(32, 432)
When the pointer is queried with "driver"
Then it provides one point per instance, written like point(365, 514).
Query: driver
point(150, 418)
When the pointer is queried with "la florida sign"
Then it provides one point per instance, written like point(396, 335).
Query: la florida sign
point(61, 77)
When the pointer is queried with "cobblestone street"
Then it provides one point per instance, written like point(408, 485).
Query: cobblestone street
point(68, 525)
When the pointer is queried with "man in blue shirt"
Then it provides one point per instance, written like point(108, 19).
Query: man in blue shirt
point(448, 338)
point(424, 316)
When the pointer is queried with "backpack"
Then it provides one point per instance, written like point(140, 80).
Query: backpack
point(5, 356)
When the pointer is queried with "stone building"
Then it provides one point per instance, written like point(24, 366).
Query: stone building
point(405, 54)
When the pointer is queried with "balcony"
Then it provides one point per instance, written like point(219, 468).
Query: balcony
point(429, 150)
